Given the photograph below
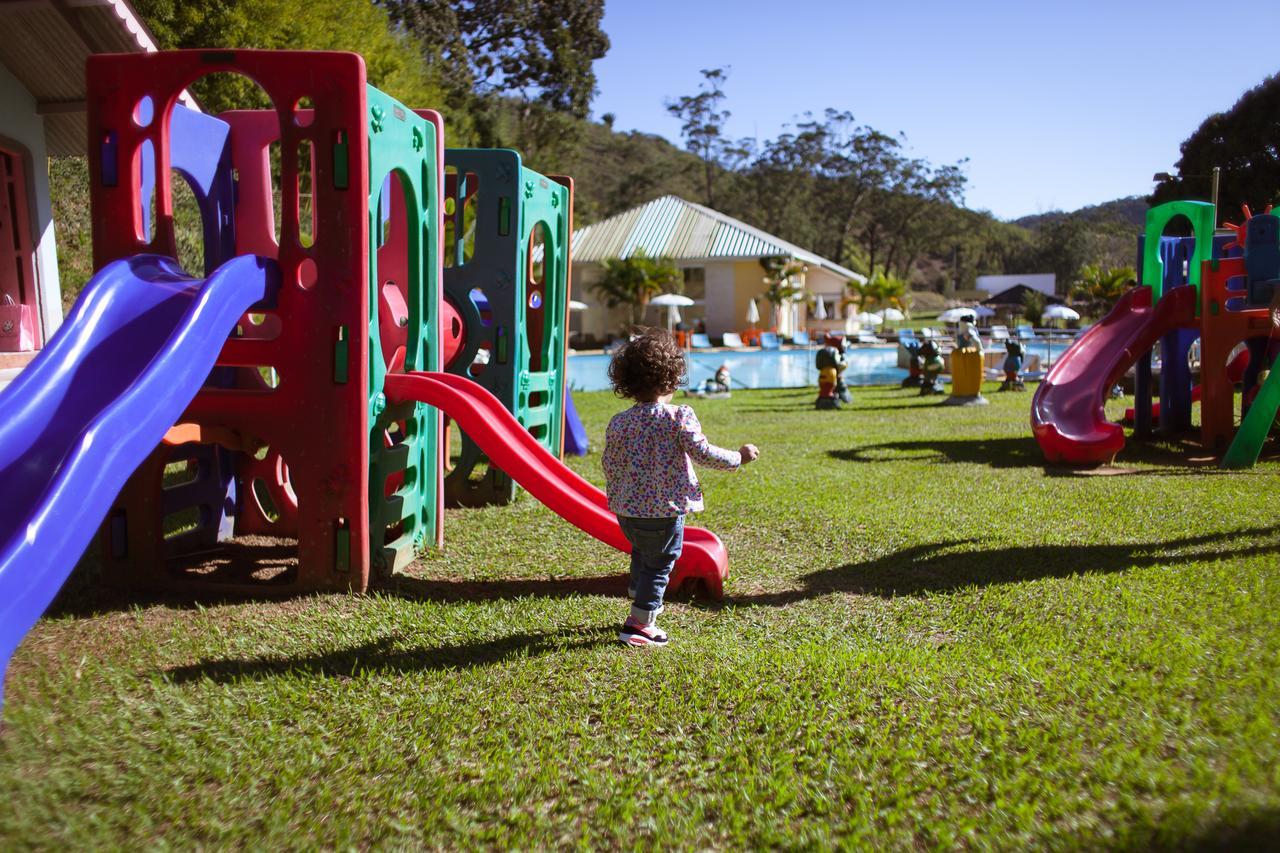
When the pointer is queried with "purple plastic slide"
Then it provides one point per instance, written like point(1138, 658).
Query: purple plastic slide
point(92, 406)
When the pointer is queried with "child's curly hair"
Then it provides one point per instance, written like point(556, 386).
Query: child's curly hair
point(649, 366)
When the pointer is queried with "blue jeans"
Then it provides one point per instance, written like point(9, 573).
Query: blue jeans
point(655, 545)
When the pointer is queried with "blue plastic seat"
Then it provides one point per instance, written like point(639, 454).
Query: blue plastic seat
point(769, 340)
point(699, 340)
point(801, 339)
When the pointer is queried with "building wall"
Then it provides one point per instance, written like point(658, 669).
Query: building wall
point(20, 124)
point(831, 287)
point(729, 288)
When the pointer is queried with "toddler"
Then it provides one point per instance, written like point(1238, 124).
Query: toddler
point(648, 472)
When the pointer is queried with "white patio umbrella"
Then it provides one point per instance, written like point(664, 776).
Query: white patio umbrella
point(820, 309)
point(891, 315)
point(575, 305)
point(1060, 312)
point(673, 302)
point(753, 313)
point(869, 319)
point(954, 315)
point(983, 311)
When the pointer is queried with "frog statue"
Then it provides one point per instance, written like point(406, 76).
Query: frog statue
point(1012, 366)
point(930, 368)
point(831, 365)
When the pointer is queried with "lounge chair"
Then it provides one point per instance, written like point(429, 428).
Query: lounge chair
point(769, 340)
point(999, 334)
point(926, 332)
point(800, 339)
point(699, 340)
point(906, 335)
point(868, 338)
point(733, 340)
point(1025, 333)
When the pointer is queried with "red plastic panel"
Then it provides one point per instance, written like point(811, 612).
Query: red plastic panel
point(1221, 330)
point(317, 418)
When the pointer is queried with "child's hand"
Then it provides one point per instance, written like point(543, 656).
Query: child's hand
point(750, 453)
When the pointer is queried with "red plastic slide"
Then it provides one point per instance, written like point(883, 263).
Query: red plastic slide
point(1067, 413)
point(1235, 372)
point(510, 446)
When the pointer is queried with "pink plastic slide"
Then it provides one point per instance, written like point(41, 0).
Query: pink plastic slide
point(510, 446)
point(1067, 413)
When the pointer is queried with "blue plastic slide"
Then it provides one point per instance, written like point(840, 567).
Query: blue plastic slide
point(92, 406)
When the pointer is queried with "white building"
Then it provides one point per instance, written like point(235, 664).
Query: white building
point(43, 48)
point(1045, 282)
point(720, 257)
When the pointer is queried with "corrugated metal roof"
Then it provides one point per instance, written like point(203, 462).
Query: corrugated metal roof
point(45, 45)
point(671, 227)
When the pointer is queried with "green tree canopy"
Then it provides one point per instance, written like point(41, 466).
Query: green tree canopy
point(543, 50)
point(392, 60)
point(1244, 142)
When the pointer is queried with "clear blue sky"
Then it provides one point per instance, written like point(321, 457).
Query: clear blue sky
point(1056, 104)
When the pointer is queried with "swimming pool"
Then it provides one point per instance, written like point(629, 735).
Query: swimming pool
point(791, 368)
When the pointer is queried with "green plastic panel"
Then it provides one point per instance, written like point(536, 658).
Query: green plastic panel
point(1202, 216)
point(404, 449)
point(1256, 426)
point(495, 206)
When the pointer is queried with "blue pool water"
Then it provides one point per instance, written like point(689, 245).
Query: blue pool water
point(773, 368)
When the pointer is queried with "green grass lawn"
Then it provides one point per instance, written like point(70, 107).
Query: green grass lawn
point(927, 639)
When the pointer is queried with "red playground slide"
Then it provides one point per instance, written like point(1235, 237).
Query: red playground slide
point(1067, 414)
point(1235, 372)
point(510, 446)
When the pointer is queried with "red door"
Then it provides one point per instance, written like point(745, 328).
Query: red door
point(17, 259)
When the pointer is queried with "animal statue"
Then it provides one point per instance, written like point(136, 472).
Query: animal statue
point(1012, 366)
point(831, 365)
point(930, 368)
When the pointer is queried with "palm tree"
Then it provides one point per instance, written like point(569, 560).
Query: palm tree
point(1100, 288)
point(879, 290)
point(634, 281)
point(783, 282)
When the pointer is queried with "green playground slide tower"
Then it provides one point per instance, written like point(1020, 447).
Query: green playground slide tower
point(506, 272)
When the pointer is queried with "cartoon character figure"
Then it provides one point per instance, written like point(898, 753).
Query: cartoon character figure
point(913, 379)
point(831, 365)
point(967, 337)
point(930, 368)
point(1012, 366)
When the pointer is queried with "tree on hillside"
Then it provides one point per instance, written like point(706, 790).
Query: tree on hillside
point(633, 281)
point(392, 60)
point(541, 50)
point(1243, 143)
point(703, 126)
point(1063, 248)
point(892, 229)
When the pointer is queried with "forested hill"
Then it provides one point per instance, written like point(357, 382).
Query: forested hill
point(1131, 210)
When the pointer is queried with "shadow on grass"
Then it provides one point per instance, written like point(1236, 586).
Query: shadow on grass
point(239, 570)
point(435, 589)
point(1169, 459)
point(383, 656)
point(943, 567)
